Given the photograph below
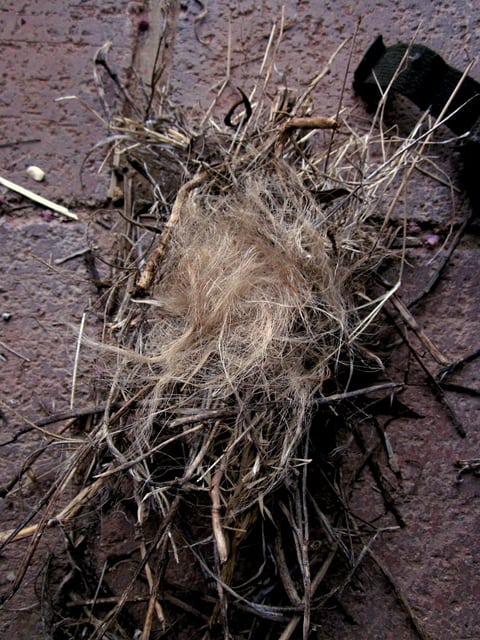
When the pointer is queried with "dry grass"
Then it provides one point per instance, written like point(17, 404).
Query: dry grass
point(226, 327)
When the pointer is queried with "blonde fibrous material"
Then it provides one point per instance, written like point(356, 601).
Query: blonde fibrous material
point(252, 309)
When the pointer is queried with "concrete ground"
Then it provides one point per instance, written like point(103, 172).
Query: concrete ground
point(46, 51)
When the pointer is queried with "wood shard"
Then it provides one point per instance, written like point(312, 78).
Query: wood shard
point(38, 199)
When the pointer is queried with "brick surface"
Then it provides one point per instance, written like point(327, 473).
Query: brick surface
point(47, 53)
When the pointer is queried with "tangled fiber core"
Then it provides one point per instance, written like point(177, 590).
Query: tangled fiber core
point(254, 306)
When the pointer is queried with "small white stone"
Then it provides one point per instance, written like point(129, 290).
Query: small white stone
point(36, 173)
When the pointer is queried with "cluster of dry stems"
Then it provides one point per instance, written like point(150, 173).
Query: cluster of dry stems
point(225, 330)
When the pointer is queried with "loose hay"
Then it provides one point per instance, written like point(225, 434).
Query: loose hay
point(228, 327)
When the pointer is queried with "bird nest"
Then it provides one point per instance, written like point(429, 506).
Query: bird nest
point(245, 294)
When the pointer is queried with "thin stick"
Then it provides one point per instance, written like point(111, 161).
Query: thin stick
point(264, 611)
point(284, 573)
point(14, 143)
point(131, 463)
point(15, 353)
point(61, 518)
point(37, 427)
point(146, 279)
point(73, 414)
point(77, 357)
point(72, 256)
point(379, 478)
point(153, 603)
point(411, 322)
point(458, 364)
point(157, 69)
point(38, 199)
point(342, 92)
point(290, 628)
point(412, 618)
point(319, 77)
point(204, 415)
point(226, 80)
point(87, 602)
point(220, 540)
point(153, 584)
point(310, 123)
point(435, 386)
point(319, 576)
point(339, 397)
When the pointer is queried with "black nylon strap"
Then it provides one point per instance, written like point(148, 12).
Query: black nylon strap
point(422, 75)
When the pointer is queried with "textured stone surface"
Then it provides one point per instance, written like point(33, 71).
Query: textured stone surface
point(312, 32)
point(47, 53)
